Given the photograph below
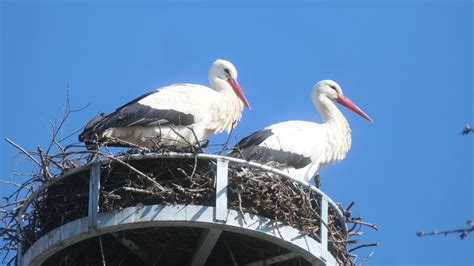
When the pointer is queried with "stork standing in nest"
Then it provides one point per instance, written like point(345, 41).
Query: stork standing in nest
point(177, 115)
point(302, 148)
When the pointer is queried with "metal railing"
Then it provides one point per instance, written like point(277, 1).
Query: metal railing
point(221, 209)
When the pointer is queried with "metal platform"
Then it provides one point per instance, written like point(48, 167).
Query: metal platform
point(214, 220)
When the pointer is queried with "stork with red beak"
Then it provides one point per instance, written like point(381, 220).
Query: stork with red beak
point(176, 115)
point(302, 148)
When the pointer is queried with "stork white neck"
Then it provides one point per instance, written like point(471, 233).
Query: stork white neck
point(230, 101)
point(324, 94)
point(221, 85)
point(337, 128)
point(228, 106)
point(328, 110)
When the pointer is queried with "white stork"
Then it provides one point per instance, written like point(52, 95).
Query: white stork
point(175, 115)
point(302, 148)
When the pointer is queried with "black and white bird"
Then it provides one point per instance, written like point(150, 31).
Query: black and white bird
point(302, 148)
point(176, 115)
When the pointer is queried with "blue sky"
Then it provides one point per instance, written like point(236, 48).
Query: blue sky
point(408, 64)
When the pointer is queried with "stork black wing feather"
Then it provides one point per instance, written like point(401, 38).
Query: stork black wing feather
point(136, 114)
point(249, 149)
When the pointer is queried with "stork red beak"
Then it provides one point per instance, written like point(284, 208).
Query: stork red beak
point(349, 104)
point(235, 85)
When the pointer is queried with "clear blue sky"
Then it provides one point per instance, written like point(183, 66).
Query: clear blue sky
point(408, 64)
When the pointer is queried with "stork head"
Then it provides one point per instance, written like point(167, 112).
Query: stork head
point(330, 89)
point(223, 72)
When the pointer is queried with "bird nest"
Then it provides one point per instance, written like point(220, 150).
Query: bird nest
point(170, 181)
point(167, 181)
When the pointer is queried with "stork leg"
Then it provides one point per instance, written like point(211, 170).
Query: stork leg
point(157, 145)
point(204, 143)
point(198, 147)
point(317, 180)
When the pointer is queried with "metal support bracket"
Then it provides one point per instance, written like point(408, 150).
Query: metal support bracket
point(134, 248)
point(274, 260)
point(221, 190)
point(205, 246)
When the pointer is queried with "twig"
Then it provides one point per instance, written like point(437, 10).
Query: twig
point(364, 261)
point(194, 167)
point(178, 135)
point(13, 183)
point(44, 164)
point(137, 190)
point(135, 170)
point(350, 206)
point(356, 221)
point(463, 232)
point(239, 196)
point(55, 131)
point(363, 246)
point(126, 143)
point(23, 151)
point(356, 233)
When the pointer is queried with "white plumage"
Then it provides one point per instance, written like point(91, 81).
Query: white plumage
point(300, 147)
point(175, 115)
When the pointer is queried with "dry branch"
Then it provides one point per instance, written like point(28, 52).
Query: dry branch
point(23, 151)
point(462, 232)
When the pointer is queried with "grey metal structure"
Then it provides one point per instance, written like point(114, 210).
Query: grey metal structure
point(213, 219)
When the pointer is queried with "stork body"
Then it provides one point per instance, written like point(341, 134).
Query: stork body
point(176, 115)
point(302, 148)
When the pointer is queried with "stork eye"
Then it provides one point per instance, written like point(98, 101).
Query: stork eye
point(334, 88)
point(226, 70)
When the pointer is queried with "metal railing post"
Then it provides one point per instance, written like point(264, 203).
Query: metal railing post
point(221, 190)
point(324, 229)
point(94, 187)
